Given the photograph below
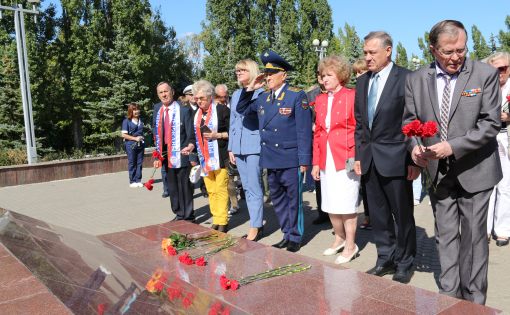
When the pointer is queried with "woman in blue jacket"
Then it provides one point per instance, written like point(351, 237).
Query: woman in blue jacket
point(132, 132)
point(244, 149)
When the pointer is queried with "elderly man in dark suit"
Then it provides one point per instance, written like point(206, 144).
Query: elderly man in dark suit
point(382, 159)
point(172, 126)
point(462, 96)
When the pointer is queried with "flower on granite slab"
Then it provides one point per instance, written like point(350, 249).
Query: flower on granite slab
point(186, 259)
point(218, 309)
point(156, 282)
point(200, 261)
point(188, 300)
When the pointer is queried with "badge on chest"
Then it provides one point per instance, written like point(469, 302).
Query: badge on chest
point(285, 111)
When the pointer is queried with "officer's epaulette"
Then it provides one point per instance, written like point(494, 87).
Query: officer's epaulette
point(294, 89)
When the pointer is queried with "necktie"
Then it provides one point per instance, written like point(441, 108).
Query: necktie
point(445, 108)
point(167, 126)
point(372, 99)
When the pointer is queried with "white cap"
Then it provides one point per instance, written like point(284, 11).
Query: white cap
point(187, 89)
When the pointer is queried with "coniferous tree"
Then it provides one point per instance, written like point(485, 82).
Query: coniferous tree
point(504, 36)
point(424, 45)
point(480, 47)
point(401, 56)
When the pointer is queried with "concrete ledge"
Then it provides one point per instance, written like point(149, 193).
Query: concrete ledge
point(56, 170)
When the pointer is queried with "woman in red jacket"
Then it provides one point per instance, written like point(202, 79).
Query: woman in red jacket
point(333, 155)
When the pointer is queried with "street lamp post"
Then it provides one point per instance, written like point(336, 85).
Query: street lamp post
point(26, 97)
point(320, 47)
point(416, 62)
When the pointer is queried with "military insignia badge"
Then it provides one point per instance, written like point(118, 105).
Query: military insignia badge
point(280, 98)
point(304, 104)
point(261, 110)
point(285, 111)
point(471, 93)
point(268, 99)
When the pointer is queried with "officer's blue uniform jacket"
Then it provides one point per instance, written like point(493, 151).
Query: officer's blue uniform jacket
point(285, 126)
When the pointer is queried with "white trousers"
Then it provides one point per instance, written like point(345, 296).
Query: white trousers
point(499, 204)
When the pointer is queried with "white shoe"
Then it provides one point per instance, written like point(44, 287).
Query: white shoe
point(139, 185)
point(342, 260)
point(133, 185)
point(333, 251)
point(416, 202)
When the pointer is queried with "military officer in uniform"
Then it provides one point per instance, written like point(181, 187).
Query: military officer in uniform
point(285, 124)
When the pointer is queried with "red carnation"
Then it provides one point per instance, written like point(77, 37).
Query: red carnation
point(170, 250)
point(311, 104)
point(173, 293)
point(157, 155)
point(429, 129)
point(234, 285)
point(224, 282)
point(188, 300)
point(200, 261)
point(186, 259)
point(412, 129)
point(101, 308)
point(149, 183)
point(508, 98)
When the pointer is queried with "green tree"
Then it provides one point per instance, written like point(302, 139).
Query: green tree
point(349, 43)
point(401, 56)
point(480, 47)
point(504, 36)
point(424, 45)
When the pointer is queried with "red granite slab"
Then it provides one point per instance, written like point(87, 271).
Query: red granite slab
point(41, 303)
point(467, 308)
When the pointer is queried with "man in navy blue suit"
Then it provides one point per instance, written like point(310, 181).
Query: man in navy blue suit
point(285, 125)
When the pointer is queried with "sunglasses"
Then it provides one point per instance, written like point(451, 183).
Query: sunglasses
point(503, 68)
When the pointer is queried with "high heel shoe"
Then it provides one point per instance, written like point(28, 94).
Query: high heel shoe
point(333, 251)
point(342, 260)
point(258, 236)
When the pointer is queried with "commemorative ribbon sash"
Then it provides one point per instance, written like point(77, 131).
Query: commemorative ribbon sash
point(174, 143)
point(208, 151)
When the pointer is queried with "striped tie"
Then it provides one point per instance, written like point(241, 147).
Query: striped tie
point(445, 108)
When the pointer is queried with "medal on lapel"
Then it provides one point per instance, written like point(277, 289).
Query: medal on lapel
point(261, 110)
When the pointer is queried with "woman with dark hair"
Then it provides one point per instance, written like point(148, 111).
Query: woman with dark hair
point(132, 132)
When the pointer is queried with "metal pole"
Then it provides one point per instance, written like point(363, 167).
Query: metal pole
point(26, 97)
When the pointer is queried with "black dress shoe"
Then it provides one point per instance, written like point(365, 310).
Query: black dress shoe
point(403, 276)
point(293, 246)
point(321, 219)
point(382, 270)
point(165, 195)
point(281, 244)
point(502, 242)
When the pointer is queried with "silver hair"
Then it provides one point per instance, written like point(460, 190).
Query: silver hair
point(220, 86)
point(383, 36)
point(203, 86)
point(498, 55)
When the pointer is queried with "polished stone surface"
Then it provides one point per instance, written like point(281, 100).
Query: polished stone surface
point(108, 273)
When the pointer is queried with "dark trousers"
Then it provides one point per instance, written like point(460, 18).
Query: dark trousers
point(364, 196)
point(285, 188)
point(164, 179)
point(390, 200)
point(180, 190)
point(135, 162)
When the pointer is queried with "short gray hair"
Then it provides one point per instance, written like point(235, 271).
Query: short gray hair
point(203, 86)
point(449, 27)
point(498, 55)
point(383, 36)
point(220, 86)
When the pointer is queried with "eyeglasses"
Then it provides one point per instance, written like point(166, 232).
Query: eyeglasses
point(459, 52)
point(240, 71)
point(503, 68)
point(201, 99)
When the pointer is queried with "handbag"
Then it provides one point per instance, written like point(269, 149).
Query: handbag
point(194, 174)
point(232, 169)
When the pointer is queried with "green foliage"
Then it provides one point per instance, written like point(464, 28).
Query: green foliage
point(480, 47)
point(85, 66)
point(424, 45)
point(401, 56)
point(504, 36)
